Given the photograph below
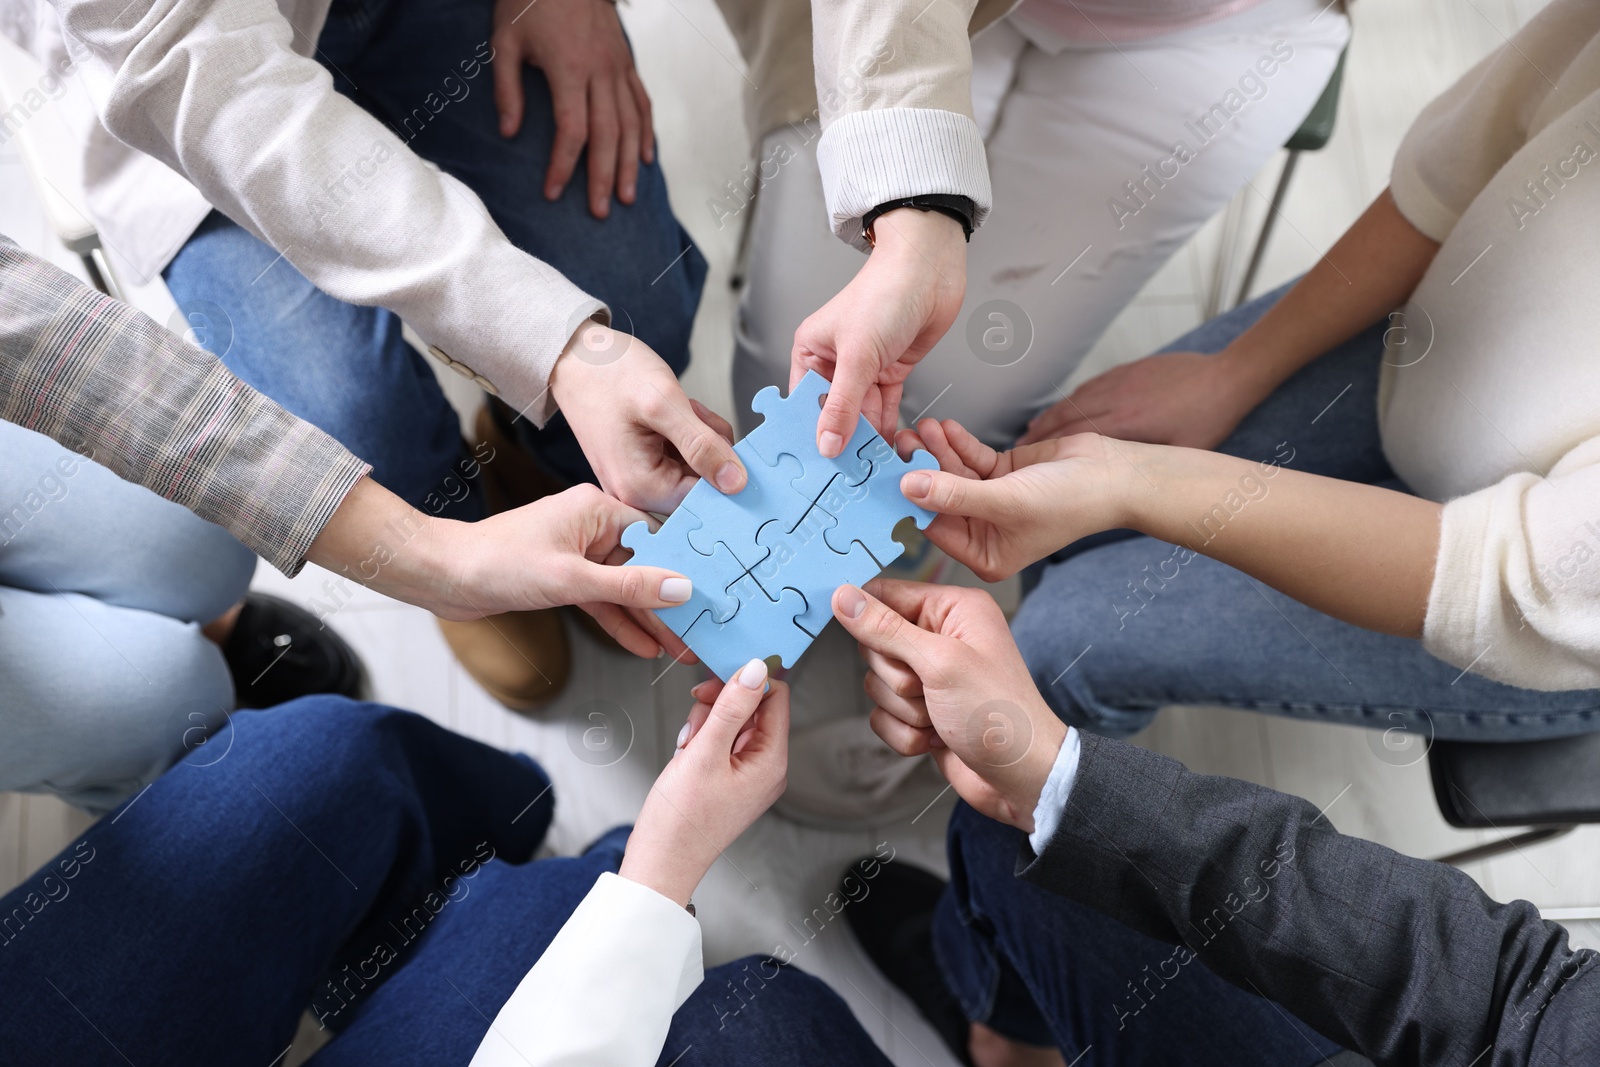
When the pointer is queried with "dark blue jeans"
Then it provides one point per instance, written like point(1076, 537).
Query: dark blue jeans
point(355, 859)
point(1160, 626)
point(345, 368)
point(1042, 969)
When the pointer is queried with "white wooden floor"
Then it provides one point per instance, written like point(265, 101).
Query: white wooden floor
point(1404, 52)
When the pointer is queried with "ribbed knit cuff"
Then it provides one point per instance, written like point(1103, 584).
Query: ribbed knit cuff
point(870, 157)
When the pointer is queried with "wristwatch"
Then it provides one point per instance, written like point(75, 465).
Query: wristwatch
point(960, 208)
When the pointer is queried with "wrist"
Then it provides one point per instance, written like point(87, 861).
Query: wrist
point(1026, 784)
point(1249, 365)
point(675, 880)
point(910, 232)
point(593, 344)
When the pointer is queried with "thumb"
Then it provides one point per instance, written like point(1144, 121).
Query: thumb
point(507, 65)
point(628, 585)
point(882, 629)
point(951, 494)
point(733, 708)
point(853, 375)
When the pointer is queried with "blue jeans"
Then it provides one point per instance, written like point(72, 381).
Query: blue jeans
point(105, 677)
point(1045, 970)
point(1163, 626)
point(350, 857)
point(345, 368)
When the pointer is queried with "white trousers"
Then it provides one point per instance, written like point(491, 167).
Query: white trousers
point(1104, 162)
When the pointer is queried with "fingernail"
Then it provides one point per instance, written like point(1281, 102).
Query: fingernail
point(676, 590)
point(917, 483)
point(851, 601)
point(753, 675)
point(683, 735)
point(830, 444)
point(729, 477)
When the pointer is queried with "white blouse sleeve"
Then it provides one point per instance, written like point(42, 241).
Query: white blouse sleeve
point(604, 992)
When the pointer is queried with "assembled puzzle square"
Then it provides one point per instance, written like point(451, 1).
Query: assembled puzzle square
point(766, 561)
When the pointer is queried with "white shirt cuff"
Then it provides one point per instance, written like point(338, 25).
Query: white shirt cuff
point(1057, 788)
point(870, 157)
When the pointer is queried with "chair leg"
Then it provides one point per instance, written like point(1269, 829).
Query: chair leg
point(1267, 223)
point(1505, 844)
point(100, 273)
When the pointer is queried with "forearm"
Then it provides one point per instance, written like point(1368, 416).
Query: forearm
point(1368, 273)
point(1357, 552)
point(894, 96)
point(101, 378)
point(340, 194)
point(1260, 887)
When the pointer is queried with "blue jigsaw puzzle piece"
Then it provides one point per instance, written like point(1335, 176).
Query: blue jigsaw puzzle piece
point(802, 560)
point(761, 628)
point(868, 511)
point(766, 561)
point(712, 575)
point(790, 429)
point(734, 520)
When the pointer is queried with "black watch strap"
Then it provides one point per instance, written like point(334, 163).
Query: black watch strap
point(960, 208)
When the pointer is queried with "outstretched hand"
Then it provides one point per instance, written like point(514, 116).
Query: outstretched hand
point(731, 763)
point(946, 679)
point(1000, 511)
point(646, 440)
point(867, 339)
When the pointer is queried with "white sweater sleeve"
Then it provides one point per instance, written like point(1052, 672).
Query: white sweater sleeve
point(213, 89)
point(1467, 133)
point(1516, 591)
point(894, 92)
point(604, 992)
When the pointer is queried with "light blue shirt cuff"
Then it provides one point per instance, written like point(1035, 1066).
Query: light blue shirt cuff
point(1057, 788)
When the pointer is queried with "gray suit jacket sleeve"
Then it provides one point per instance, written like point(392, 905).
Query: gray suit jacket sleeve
point(103, 379)
point(1403, 960)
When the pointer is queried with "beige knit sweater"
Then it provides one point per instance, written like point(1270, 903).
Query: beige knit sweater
point(1491, 396)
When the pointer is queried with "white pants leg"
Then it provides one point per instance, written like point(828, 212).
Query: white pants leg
point(1103, 161)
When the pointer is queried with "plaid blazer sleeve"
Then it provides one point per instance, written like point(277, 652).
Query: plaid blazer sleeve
point(103, 379)
point(1403, 960)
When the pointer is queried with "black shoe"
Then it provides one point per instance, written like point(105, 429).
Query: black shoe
point(278, 652)
point(894, 924)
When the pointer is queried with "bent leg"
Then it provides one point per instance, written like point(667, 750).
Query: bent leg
point(1115, 633)
point(1104, 163)
point(341, 367)
point(72, 526)
point(96, 701)
point(207, 912)
point(422, 68)
point(438, 1006)
point(1035, 966)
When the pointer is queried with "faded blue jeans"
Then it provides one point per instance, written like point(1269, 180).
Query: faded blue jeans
point(355, 859)
point(105, 678)
point(1157, 626)
point(346, 368)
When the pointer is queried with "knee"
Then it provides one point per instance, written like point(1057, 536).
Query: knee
point(1070, 631)
point(341, 744)
point(761, 991)
point(97, 731)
